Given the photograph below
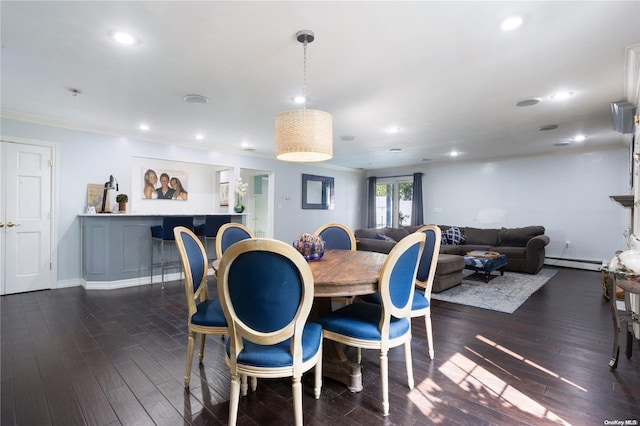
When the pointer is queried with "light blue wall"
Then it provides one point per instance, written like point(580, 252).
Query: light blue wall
point(568, 194)
point(84, 157)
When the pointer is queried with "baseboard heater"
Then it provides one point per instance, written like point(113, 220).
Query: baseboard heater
point(591, 265)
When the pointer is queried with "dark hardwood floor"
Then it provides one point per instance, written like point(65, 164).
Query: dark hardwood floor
point(73, 357)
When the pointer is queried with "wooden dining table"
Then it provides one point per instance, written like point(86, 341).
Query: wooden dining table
point(341, 273)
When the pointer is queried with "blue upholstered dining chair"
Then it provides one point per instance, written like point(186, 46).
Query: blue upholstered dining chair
point(421, 306)
point(337, 236)
point(424, 279)
point(163, 234)
point(266, 292)
point(231, 233)
point(205, 315)
point(385, 325)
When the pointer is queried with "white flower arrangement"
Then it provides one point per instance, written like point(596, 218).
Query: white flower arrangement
point(241, 189)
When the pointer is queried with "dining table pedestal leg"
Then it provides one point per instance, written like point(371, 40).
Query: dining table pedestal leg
point(337, 366)
point(335, 363)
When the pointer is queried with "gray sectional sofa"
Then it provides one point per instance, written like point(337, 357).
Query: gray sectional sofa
point(524, 247)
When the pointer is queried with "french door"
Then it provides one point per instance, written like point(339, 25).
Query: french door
point(393, 202)
point(26, 217)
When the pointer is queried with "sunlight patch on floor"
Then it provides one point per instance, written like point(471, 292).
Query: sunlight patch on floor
point(483, 386)
point(423, 398)
point(528, 362)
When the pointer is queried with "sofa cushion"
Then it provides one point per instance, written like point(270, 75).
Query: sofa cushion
point(518, 237)
point(511, 252)
point(454, 236)
point(413, 228)
point(396, 233)
point(481, 236)
point(366, 232)
point(379, 236)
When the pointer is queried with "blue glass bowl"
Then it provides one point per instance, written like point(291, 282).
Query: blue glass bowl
point(310, 251)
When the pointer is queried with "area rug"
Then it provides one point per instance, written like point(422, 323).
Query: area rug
point(502, 293)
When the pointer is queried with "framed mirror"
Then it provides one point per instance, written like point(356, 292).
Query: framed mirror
point(317, 192)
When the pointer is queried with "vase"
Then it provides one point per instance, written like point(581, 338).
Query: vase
point(122, 207)
point(239, 208)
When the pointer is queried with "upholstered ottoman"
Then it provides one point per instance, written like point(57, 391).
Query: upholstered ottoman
point(448, 272)
point(487, 262)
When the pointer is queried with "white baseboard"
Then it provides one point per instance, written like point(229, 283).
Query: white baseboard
point(133, 282)
point(589, 265)
point(76, 282)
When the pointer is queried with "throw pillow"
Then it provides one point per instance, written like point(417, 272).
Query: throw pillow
point(454, 236)
point(379, 236)
point(443, 238)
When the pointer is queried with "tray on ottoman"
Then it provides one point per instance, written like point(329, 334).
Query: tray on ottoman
point(486, 262)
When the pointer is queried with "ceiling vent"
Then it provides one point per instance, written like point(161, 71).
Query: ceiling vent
point(196, 99)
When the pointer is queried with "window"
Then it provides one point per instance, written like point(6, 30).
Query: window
point(393, 202)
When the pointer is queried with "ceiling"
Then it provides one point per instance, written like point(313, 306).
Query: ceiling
point(443, 73)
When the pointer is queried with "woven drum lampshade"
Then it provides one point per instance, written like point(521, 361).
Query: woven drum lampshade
point(304, 135)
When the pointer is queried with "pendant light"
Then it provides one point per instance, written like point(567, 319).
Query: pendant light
point(304, 135)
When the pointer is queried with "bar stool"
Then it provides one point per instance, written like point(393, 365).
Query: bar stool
point(164, 233)
point(209, 229)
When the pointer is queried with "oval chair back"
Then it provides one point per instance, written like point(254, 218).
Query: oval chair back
point(229, 234)
point(336, 236)
point(429, 259)
point(397, 279)
point(266, 292)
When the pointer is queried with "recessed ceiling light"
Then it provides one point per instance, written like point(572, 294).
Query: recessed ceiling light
point(548, 127)
point(300, 100)
point(348, 138)
point(561, 96)
point(124, 38)
point(454, 153)
point(528, 102)
point(426, 159)
point(511, 23)
point(200, 136)
point(144, 127)
point(564, 143)
point(196, 99)
point(579, 138)
point(394, 129)
point(395, 150)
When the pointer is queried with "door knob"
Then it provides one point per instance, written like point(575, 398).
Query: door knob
point(1, 224)
point(11, 224)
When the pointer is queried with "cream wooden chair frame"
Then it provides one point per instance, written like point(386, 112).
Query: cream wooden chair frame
point(388, 310)
point(348, 299)
point(341, 226)
point(428, 284)
point(223, 229)
point(238, 330)
point(195, 297)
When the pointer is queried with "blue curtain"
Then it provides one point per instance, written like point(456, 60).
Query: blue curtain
point(371, 203)
point(417, 215)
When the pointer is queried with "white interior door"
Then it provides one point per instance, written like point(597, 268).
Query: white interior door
point(26, 213)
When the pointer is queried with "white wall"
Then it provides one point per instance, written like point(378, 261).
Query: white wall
point(567, 194)
point(84, 157)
